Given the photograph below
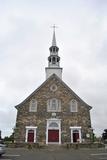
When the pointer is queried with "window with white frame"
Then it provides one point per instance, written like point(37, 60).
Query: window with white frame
point(53, 105)
point(73, 106)
point(33, 105)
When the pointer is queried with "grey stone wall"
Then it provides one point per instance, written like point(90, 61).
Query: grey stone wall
point(26, 118)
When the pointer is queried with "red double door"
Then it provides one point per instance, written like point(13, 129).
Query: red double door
point(30, 136)
point(53, 135)
point(75, 137)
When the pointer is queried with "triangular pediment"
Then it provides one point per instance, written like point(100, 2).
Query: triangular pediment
point(54, 78)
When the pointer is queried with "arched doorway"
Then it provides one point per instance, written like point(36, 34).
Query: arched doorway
point(30, 134)
point(53, 133)
point(30, 137)
point(76, 134)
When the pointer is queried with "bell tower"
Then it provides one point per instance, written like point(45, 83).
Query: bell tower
point(53, 59)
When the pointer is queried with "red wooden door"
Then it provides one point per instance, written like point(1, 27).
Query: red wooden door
point(75, 137)
point(53, 135)
point(30, 136)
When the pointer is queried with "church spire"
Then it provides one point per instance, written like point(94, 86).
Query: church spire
point(54, 49)
point(53, 59)
point(54, 39)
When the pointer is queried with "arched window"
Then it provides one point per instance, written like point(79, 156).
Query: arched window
point(75, 131)
point(33, 105)
point(73, 105)
point(53, 105)
point(53, 60)
point(53, 124)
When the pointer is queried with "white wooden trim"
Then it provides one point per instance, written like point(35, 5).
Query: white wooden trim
point(49, 121)
point(29, 128)
point(33, 105)
point(71, 106)
point(79, 130)
point(58, 105)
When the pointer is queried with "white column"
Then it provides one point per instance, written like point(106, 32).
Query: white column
point(26, 135)
point(59, 133)
point(80, 135)
point(47, 132)
point(47, 136)
point(71, 136)
point(34, 135)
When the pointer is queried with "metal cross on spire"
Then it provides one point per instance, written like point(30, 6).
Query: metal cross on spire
point(54, 26)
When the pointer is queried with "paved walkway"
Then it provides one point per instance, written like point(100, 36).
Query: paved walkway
point(55, 154)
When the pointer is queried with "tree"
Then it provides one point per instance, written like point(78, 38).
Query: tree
point(104, 134)
point(10, 138)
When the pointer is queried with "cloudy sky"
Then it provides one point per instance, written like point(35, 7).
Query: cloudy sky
point(25, 37)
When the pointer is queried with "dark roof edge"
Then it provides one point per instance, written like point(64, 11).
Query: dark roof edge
point(33, 92)
point(90, 107)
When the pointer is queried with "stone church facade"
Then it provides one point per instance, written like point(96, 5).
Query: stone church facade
point(53, 113)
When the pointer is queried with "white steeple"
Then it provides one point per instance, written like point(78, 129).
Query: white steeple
point(53, 59)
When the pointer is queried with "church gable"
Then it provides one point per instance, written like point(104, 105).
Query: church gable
point(53, 88)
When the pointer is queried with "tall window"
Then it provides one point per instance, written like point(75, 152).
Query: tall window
point(33, 105)
point(73, 105)
point(53, 105)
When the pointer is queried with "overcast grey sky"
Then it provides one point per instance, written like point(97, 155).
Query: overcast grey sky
point(25, 37)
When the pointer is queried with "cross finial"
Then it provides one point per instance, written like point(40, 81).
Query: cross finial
point(54, 38)
point(54, 26)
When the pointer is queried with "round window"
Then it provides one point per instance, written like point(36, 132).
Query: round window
point(53, 87)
